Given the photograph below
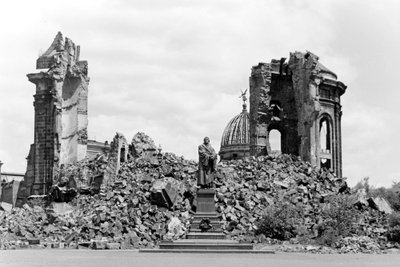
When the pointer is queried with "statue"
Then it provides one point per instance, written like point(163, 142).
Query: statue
point(207, 164)
point(243, 96)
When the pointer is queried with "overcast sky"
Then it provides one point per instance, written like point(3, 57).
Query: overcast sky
point(174, 69)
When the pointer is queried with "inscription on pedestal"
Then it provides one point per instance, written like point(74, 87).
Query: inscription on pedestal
point(205, 201)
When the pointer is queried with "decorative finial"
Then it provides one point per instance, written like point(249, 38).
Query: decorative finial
point(244, 98)
point(159, 149)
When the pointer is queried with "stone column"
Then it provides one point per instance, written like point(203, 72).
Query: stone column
point(44, 132)
point(1, 164)
point(260, 84)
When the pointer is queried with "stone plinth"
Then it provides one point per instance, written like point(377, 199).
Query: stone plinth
point(205, 201)
point(205, 211)
point(200, 241)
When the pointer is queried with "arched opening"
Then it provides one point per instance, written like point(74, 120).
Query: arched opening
point(275, 141)
point(122, 155)
point(325, 136)
point(325, 143)
point(275, 108)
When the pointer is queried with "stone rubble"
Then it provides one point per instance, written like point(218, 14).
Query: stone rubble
point(152, 199)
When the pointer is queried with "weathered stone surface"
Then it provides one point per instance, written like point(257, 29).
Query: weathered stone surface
point(380, 204)
point(9, 192)
point(175, 229)
point(143, 145)
point(60, 113)
point(300, 99)
point(113, 246)
point(122, 212)
point(361, 198)
point(6, 206)
point(164, 192)
point(119, 150)
point(99, 244)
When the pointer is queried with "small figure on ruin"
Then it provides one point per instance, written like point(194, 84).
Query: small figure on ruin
point(243, 96)
point(207, 164)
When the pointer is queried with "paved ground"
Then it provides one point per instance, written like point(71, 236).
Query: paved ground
point(61, 258)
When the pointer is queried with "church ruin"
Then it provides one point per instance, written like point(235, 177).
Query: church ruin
point(299, 98)
point(60, 131)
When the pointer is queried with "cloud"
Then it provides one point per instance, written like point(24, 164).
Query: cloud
point(369, 144)
point(174, 69)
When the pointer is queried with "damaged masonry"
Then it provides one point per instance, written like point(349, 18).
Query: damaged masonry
point(301, 100)
point(131, 195)
point(60, 131)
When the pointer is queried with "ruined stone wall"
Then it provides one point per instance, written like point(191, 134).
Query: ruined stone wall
point(29, 177)
point(260, 83)
point(284, 120)
point(119, 149)
point(60, 111)
point(293, 98)
point(302, 67)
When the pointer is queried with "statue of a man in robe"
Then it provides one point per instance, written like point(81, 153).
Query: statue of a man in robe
point(207, 164)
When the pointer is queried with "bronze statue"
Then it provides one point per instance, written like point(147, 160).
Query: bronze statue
point(243, 96)
point(207, 164)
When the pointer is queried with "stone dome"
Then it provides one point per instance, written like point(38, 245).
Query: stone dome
point(325, 72)
point(235, 142)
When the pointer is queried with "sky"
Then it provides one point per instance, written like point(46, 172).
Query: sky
point(174, 69)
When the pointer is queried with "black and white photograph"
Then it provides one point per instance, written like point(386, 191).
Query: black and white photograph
point(199, 133)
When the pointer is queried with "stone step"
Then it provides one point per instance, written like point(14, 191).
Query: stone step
point(205, 241)
point(206, 235)
point(202, 251)
point(206, 244)
point(205, 214)
point(215, 217)
point(212, 230)
point(214, 223)
point(210, 217)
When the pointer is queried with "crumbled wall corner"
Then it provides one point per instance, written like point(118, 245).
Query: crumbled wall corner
point(260, 84)
point(119, 150)
point(303, 71)
point(60, 110)
point(298, 99)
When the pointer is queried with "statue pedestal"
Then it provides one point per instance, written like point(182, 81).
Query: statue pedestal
point(206, 212)
point(205, 201)
point(211, 240)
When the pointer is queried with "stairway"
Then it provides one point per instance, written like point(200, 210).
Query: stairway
point(199, 240)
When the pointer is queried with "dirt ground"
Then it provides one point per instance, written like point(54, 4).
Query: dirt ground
point(61, 258)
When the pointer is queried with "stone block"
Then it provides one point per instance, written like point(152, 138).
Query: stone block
point(380, 204)
point(99, 244)
point(113, 246)
point(205, 200)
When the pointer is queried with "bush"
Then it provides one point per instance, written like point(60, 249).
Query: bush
point(280, 221)
point(393, 233)
point(338, 219)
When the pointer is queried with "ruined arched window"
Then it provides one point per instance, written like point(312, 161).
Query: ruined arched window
point(275, 108)
point(275, 141)
point(325, 139)
point(122, 154)
point(325, 142)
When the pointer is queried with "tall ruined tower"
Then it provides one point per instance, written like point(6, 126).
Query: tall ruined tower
point(60, 131)
point(301, 100)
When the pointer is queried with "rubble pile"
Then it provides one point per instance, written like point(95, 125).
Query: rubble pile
point(141, 143)
point(246, 187)
point(137, 208)
point(153, 196)
point(85, 176)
